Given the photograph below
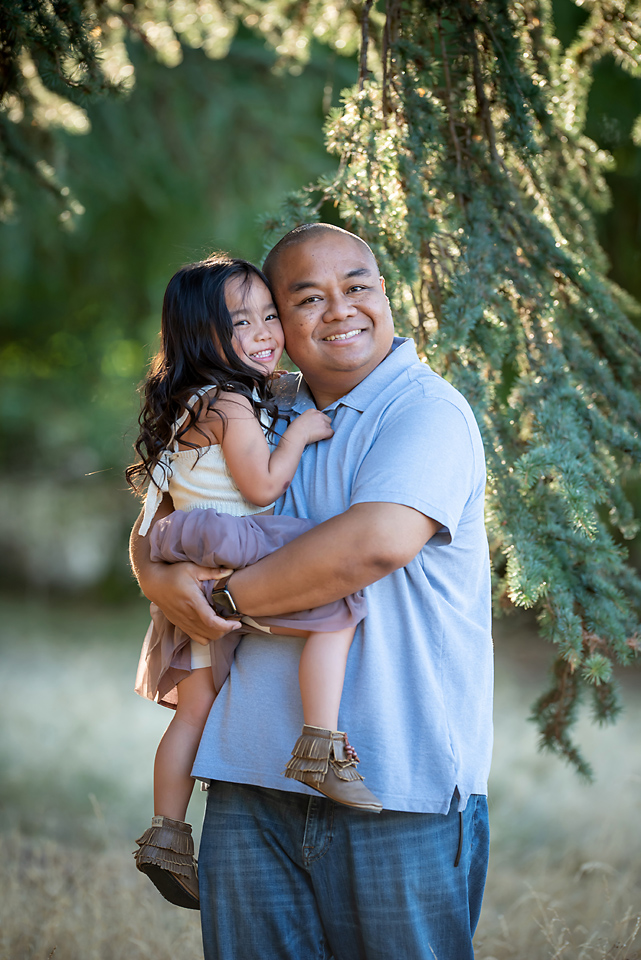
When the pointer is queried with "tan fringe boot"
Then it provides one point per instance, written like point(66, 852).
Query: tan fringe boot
point(166, 855)
point(320, 759)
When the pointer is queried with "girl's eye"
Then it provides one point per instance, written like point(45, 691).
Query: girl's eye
point(240, 323)
point(272, 316)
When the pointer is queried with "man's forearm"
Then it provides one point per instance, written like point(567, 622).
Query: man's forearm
point(339, 557)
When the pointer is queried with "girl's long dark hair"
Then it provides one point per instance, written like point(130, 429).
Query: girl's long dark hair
point(195, 350)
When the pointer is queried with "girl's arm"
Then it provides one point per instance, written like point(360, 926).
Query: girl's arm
point(260, 474)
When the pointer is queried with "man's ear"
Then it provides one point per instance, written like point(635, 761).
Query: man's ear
point(382, 279)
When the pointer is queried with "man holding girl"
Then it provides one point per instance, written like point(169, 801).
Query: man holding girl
point(397, 496)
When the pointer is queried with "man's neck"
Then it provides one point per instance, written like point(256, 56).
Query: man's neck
point(323, 396)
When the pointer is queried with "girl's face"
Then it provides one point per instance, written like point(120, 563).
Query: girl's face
point(258, 335)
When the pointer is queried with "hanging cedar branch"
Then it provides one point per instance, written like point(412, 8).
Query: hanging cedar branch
point(467, 169)
point(56, 56)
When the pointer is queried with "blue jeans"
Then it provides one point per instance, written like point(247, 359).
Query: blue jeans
point(284, 876)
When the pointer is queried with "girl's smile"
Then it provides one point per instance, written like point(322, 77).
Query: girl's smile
point(258, 334)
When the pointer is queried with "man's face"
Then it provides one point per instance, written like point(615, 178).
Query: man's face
point(336, 317)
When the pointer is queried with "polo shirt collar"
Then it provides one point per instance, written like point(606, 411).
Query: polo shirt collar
point(402, 357)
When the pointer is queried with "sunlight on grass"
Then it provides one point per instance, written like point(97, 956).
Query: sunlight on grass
point(76, 758)
point(75, 790)
point(64, 903)
point(564, 878)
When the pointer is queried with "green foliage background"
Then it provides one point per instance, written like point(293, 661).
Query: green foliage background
point(183, 166)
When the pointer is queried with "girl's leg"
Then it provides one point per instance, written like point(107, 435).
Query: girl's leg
point(166, 849)
point(322, 756)
point(173, 782)
point(321, 674)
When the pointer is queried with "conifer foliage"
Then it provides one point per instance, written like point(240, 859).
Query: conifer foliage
point(58, 55)
point(50, 67)
point(464, 164)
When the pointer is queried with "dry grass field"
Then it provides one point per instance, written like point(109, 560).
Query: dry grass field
point(75, 789)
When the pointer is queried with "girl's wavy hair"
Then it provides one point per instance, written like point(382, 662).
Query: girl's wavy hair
point(196, 350)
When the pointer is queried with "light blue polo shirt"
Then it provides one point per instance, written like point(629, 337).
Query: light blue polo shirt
point(417, 701)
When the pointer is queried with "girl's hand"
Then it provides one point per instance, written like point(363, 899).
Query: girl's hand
point(313, 425)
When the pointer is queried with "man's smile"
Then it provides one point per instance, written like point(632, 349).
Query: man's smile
point(342, 336)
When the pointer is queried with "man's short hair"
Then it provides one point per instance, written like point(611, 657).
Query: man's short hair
point(300, 234)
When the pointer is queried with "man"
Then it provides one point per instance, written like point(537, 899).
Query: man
point(398, 497)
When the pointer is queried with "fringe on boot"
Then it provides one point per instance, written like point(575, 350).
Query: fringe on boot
point(166, 854)
point(320, 760)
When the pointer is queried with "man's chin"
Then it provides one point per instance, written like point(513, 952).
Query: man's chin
point(356, 359)
point(350, 367)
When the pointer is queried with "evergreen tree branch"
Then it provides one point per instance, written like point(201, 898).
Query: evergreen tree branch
point(511, 303)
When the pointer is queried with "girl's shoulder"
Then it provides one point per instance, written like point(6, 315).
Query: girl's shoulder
point(224, 404)
point(212, 411)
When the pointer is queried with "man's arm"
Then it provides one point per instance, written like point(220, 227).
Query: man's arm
point(336, 558)
point(175, 587)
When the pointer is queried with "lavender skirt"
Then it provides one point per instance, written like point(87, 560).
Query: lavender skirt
point(215, 539)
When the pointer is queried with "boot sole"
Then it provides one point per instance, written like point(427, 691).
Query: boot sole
point(170, 887)
point(366, 808)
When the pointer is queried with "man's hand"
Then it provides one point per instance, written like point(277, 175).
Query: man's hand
point(176, 590)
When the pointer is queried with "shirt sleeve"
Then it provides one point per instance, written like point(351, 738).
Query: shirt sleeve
point(422, 457)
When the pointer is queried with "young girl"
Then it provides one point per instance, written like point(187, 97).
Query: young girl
point(203, 442)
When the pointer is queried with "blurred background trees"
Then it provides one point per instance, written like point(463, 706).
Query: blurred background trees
point(182, 164)
point(203, 116)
